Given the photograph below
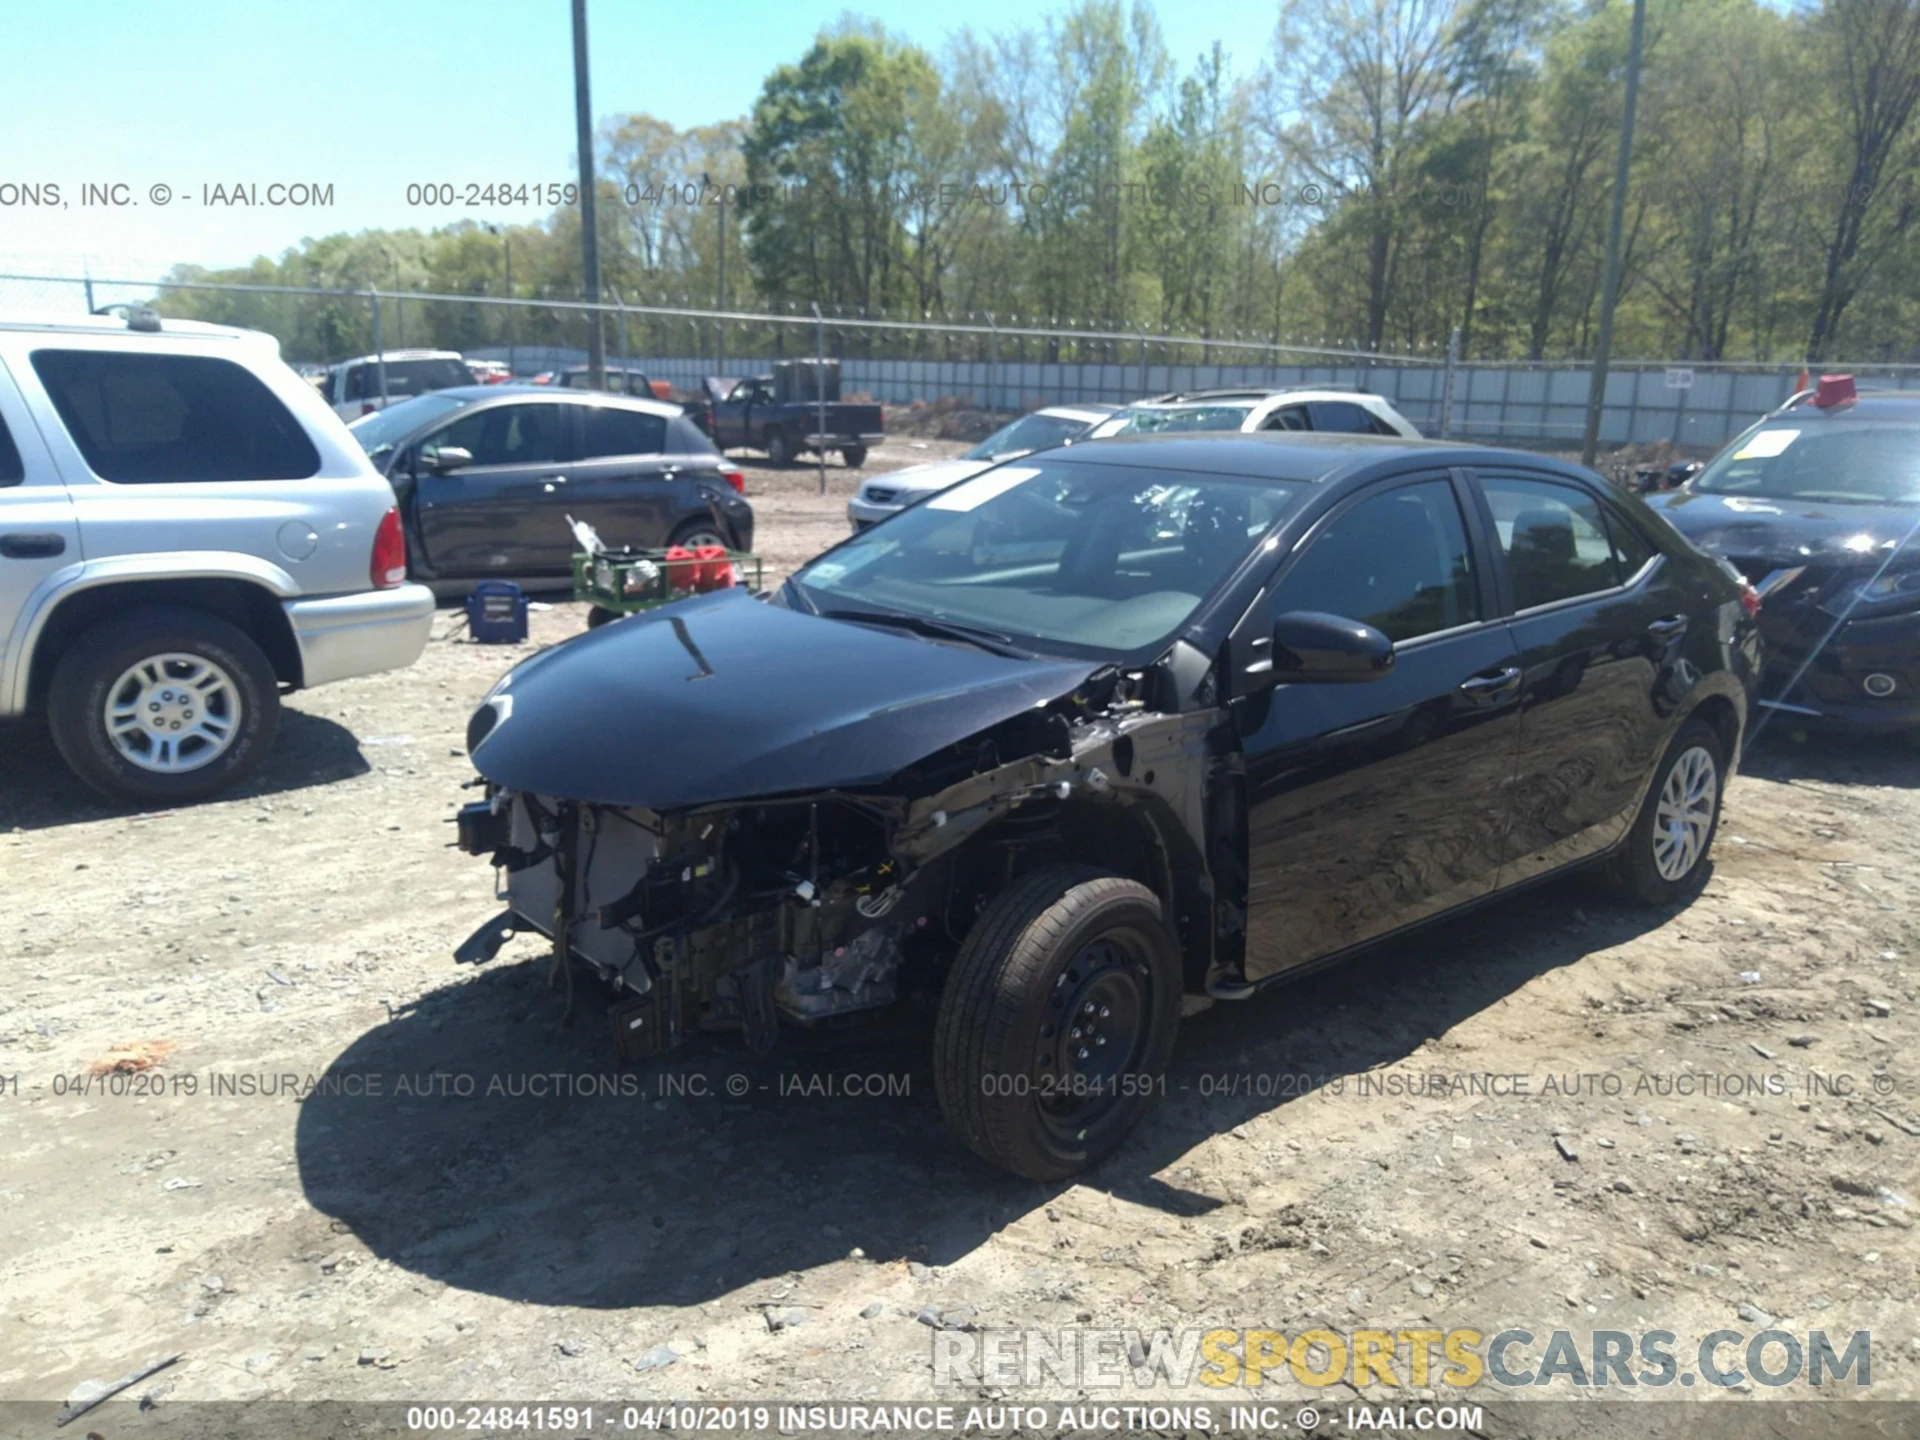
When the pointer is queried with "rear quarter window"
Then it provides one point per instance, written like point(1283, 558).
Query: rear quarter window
point(12, 471)
point(173, 419)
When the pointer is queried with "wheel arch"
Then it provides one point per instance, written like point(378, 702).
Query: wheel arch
point(243, 602)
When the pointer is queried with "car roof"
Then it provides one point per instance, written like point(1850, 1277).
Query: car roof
point(58, 321)
point(1092, 410)
point(401, 355)
point(1309, 457)
point(480, 394)
point(1894, 405)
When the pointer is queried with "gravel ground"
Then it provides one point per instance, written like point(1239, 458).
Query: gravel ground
point(1686, 1154)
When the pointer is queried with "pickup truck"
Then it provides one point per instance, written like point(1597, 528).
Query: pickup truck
point(781, 414)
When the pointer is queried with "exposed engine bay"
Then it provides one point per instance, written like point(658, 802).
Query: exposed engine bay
point(809, 906)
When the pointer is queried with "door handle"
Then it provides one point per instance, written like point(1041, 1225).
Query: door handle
point(1485, 689)
point(22, 546)
point(1668, 626)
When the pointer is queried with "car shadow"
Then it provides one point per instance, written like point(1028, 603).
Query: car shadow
point(475, 1141)
point(1780, 752)
point(39, 792)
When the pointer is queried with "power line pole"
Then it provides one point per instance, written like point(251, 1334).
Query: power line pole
point(1610, 292)
point(589, 223)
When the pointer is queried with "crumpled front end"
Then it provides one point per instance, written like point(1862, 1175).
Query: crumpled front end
point(809, 906)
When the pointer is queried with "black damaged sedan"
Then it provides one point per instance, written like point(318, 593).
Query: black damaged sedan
point(1818, 506)
point(1104, 730)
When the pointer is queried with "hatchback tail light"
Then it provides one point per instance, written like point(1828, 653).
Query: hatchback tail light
point(388, 566)
point(734, 476)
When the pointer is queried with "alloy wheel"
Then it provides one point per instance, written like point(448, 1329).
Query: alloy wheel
point(172, 713)
point(1683, 820)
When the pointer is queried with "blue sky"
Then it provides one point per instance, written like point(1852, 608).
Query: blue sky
point(369, 98)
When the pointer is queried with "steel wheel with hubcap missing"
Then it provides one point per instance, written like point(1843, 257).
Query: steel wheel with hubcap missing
point(172, 713)
point(1093, 1035)
point(1057, 1020)
point(1683, 820)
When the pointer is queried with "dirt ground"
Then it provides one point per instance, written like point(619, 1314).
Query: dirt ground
point(1710, 1118)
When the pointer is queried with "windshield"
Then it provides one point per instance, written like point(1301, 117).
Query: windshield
point(1029, 432)
point(1186, 417)
point(384, 429)
point(1098, 561)
point(1819, 459)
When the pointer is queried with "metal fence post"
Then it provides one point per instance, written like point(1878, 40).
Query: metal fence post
point(993, 365)
point(820, 392)
point(1446, 385)
point(379, 350)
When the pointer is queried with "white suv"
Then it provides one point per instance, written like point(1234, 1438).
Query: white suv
point(357, 387)
point(185, 530)
point(1343, 412)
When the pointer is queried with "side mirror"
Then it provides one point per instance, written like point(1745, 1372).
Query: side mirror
point(445, 458)
point(1310, 647)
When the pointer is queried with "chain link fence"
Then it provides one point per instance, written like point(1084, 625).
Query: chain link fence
point(1001, 368)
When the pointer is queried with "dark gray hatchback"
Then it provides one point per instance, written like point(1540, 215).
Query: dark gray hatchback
point(488, 475)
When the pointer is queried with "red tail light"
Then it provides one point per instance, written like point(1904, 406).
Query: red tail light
point(1750, 601)
point(735, 477)
point(388, 567)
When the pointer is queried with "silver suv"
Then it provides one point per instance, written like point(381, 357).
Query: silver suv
point(186, 530)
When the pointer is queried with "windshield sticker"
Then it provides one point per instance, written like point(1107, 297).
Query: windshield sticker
point(1766, 445)
point(971, 494)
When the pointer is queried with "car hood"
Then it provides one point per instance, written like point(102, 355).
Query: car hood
point(723, 697)
point(928, 477)
point(1787, 532)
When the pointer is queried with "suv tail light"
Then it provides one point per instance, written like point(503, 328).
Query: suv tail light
point(388, 566)
point(734, 476)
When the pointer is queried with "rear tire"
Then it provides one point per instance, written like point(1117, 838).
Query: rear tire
point(599, 615)
point(779, 449)
point(1027, 1085)
point(1663, 860)
point(855, 456)
point(163, 706)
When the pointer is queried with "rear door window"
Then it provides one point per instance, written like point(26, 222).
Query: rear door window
point(12, 470)
point(1554, 538)
point(156, 419)
point(1288, 417)
point(1343, 417)
point(611, 431)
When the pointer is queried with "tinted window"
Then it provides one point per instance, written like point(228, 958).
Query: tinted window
point(507, 435)
point(1290, 417)
point(623, 432)
point(1555, 541)
point(12, 472)
point(406, 377)
point(1343, 417)
point(157, 418)
point(1399, 561)
point(1099, 560)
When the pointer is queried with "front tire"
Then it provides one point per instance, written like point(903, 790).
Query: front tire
point(163, 706)
point(1663, 860)
point(779, 449)
point(1057, 1021)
